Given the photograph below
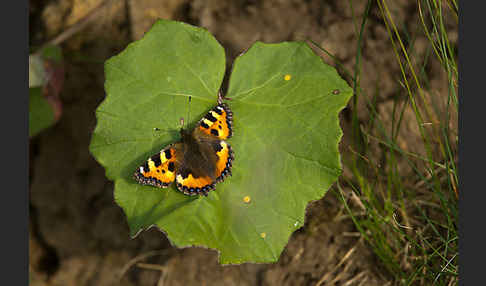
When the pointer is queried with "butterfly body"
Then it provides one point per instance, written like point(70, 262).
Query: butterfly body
point(201, 159)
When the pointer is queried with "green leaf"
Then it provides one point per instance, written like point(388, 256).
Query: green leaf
point(286, 134)
point(53, 53)
point(41, 113)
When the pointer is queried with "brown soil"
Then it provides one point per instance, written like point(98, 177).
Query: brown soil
point(79, 236)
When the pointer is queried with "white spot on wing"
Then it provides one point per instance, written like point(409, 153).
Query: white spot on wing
point(141, 170)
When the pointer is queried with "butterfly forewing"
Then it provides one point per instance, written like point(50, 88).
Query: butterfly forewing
point(218, 122)
point(159, 170)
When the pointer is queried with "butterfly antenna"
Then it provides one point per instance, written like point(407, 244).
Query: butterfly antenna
point(189, 109)
point(181, 120)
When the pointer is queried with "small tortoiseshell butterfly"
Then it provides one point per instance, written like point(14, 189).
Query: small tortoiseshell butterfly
point(200, 160)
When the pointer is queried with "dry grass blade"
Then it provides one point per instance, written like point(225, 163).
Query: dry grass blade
point(344, 259)
point(141, 257)
point(151, 266)
point(356, 278)
point(80, 25)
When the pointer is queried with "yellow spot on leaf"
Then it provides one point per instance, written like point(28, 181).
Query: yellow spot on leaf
point(287, 77)
point(263, 235)
point(247, 199)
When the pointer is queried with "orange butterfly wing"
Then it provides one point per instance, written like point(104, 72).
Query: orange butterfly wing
point(218, 122)
point(159, 170)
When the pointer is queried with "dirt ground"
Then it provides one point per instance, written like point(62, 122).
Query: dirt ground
point(79, 236)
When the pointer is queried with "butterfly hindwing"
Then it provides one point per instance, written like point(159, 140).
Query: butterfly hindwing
point(218, 122)
point(225, 160)
point(192, 182)
point(159, 170)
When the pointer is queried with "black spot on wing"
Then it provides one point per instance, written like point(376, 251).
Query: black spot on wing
point(184, 172)
point(217, 110)
point(217, 146)
point(203, 124)
point(156, 159)
point(210, 117)
point(167, 153)
point(214, 132)
point(146, 167)
point(171, 166)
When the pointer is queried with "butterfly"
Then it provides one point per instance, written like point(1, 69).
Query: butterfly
point(200, 160)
